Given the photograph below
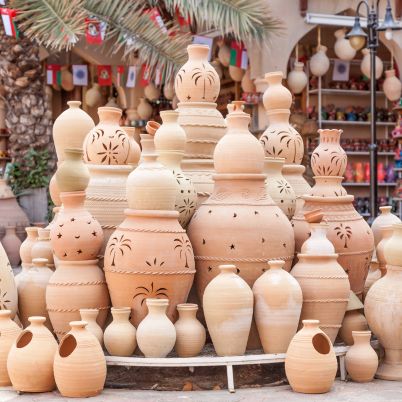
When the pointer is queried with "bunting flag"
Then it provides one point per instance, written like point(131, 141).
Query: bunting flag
point(105, 75)
point(80, 74)
point(119, 75)
point(8, 17)
point(238, 55)
point(131, 77)
point(183, 22)
point(145, 75)
point(53, 74)
point(156, 17)
point(95, 31)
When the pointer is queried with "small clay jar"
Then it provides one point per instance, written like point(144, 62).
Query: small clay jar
point(156, 335)
point(343, 48)
point(385, 218)
point(386, 233)
point(9, 332)
point(361, 359)
point(318, 242)
point(42, 247)
point(392, 86)
point(120, 335)
point(30, 361)
point(190, 333)
point(135, 150)
point(297, 78)
point(90, 315)
point(27, 244)
point(79, 363)
point(276, 96)
point(144, 109)
point(12, 244)
point(319, 62)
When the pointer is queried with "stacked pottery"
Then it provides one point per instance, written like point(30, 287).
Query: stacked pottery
point(280, 139)
point(373, 275)
point(8, 288)
point(386, 233)
point(89, 315)
point(348, 231)
point(12, 244)
point(197, 86)
point(170, 142)
point(42, 248)
point(149, 254)
point(26, 246)
point(135, 150)
point(386, 218)
point(323, 281)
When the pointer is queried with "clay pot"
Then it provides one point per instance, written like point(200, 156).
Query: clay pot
point(89, 315)
point(373, 275)
point(77, 236)
point(27, 244)
point(247, 84)
point(42, 248)
point(216, 64)
point(9, 332)
point(94, 97)
point(236, 73)
point(30, 361)
point(144, 109)
point(135, 150)
point(392, 86)
point(276, 96)
point(386, 233)
point(8, 288)
point(72, 174)
point(83, 279)
point(319, 62)
point(361, 359)
point(318, 242)
point(297, 78)
point(391, 251)
point(67, 81)
point(197, 80)
point(354, 320)
point(365, 65)
point(120, 335)
point(190, 334)
point(343, 48)
point(156, 335)
point(11, 214)
point(151, 128)
point(168, 90)
point(224, 54)
point(79, 364)
point(12, 244)
point(293, 174)
point(311, 348)
point(329, 158)
point(386, 218)
point(277, 305)
point(152, 92)
point(107, 143)
point(70, 129)
point(278, 187)
point(328, 186)
point(228, 310)
point(54, 191)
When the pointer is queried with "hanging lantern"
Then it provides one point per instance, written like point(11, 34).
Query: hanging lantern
point(365, 65)
point(297, 78)
point(343, 48)
point(392, 86)
point(152, 92)
point(319, 63)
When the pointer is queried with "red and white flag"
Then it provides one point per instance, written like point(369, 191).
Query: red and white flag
point(95, 31)
point(8, 17)
point(105, 76)
point(53, 74)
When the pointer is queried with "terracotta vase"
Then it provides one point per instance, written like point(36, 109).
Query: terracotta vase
point(318, 242)
point(386, 233)
point(27, 244)
point(343, 48)
point(135, 150)
point(385, 218)
point(278, 187)
point(247, 84)
point(30, 361)
point(86, 281)
point(54, 191)
point(8, 288)
point(168, 90)
point(329, 158)
point(328, 186)
point(276, 96)
point(42, 248)
point(144, 109)
point(170, 142)
point(90, 315)
point(277, 306)
point(365, 65)
point(77, 235)
point(236, 73)
point(228, 310)
point(70, 129)
point(120, 335)
point(79, 363)
point(354, 320)
point(152, 92)
point(156, 335)
point(297, 78)
point(190, 333)
point(311, 348)
point(319, 62)
point(361, 359)
point(12, 244)
point(72, 174)
point(9, 332)
point(94, 97)
point(107, 143)
point(373, 275)
point(392, 86)
point(224, 54)
point(67, 80)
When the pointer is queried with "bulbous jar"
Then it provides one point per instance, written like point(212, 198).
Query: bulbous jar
point(93, 97)
point(278, 302)
point(54, 191)
point(90, 316)
point(329, 158)
point(276, 96)
point(318, 242)
point(156, 335)
point(27, 244)
point(385, 218)
point(42, 248)
point(107, 143)
point(247, 84)
point(365, 65)
point(278, 187)
point(190, 333)
point(34, 344)
point(236, 73)
point(135, 150)
point(386, 233)
point(228, 310)
point(9, 331)
point(311, 348)
point(12, 244)
point(79, 363)
point(120, 334)
point(86, 281)
point(392, 86)
point(297, 78)
point(152, 92)
point(354, 320)
point(70, 129)
point(8, 287)
point(361, 359)
point(144, 109)
point(77, 235)
point(343, 48)
point(328, 186)
point(319, 62)
point(373, 275)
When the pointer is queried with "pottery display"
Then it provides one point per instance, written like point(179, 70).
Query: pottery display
point(89, 315)
point(152, 92)
point(107, 143)
point(135, 150)
point(228, 310)
point(311, 348)
point(247, 84)
point(361, 359)
point(42, 248)
point(120, 335)
point(343, 48)
point(392, 86)
point(386, 233)
point(70, 129)
point(319, 62)
point(27, 244)
point(276, 96)
point(190, 333)
point(366, 64)
point(318, 242)
point(156, 335)
point(93, 96)
point(374, 274)
point(72, 174)
point(144, 109)
point(385, 218)
point(170, 142)
point(73, 286)
point(297, 78)
point(30, 361)
point(79, 363)
point(54, 191)
point(8, 288)
point(12, 244)
point(277, 306)
point(278, 187)
point(9, 332)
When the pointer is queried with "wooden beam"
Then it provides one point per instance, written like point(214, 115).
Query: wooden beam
point(303, 6)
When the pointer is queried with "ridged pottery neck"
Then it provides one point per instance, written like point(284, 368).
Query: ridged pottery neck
point(121, 314)
point(109, 115)
point(147, 144)
point(187, 311)
point(32, 232)
point(278, 116)
point(89, 314)
point(74, 199)
point(169, 116)
point(361, 337)
point(227, 269)
point(386, 210)
point(74, 104)
point(39, 263)
point(389, 73)
point(318, 230)
point(276, 265)
point(157, 306)
point(330, 136)
point(340, 33)
point(273, 166)
point(171, 159)
point(73, 154)
point(274, 78)
point(43, 234)
point(78, 325)
point(238, 123)
point(198, 52)
point(10, 230)
point(298, 66)
point(37, 321)
point(311, 324)
point(5, 315)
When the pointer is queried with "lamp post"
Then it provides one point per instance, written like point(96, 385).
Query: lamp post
point(357, 38)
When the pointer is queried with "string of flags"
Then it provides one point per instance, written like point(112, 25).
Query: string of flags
point(238, 55)
point(8, 18)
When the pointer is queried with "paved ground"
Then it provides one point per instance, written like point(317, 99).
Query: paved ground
point(376, 391)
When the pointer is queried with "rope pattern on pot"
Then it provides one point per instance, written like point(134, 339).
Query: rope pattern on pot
point(245, 259)
point(319, 277)
point(197, 156)
point(203, 193)
point(185, 124)
point(193, 141)
point(152, 230)
point(326, 301)
point(72, 310)
point(109, 226)
point(119, 271)
point(329, 326)
point(98, 198)
point(77, 283)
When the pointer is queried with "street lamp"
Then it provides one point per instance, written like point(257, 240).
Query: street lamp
point(357, 38)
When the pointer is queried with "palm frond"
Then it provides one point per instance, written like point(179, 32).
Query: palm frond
point(53, 23)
